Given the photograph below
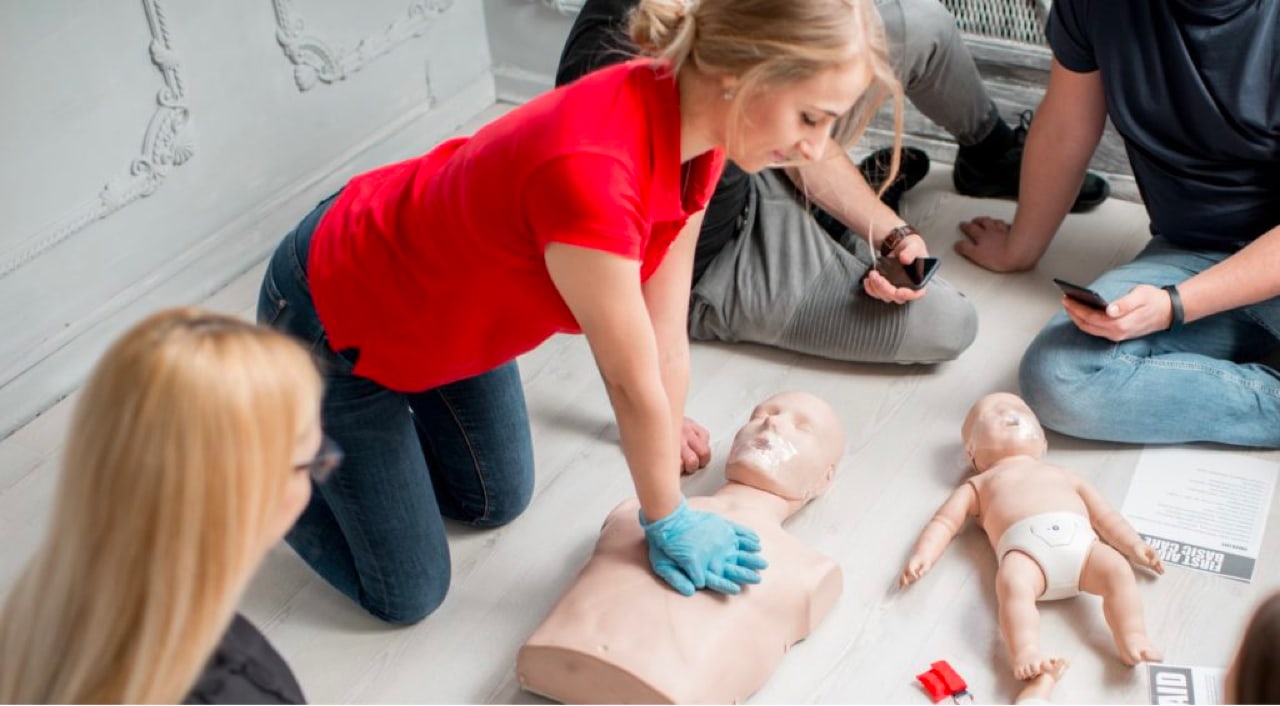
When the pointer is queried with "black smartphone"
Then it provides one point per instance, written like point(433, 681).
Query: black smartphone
point(1084, 295)
point(913, 275)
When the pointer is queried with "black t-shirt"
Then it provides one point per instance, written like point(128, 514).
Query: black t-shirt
point(1193, 86)
point(245, 669)
point(598, 39)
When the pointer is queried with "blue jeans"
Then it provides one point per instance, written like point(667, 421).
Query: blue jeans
point(1200, 383)
point(375, 529)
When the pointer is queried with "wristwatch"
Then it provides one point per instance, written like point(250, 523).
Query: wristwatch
point(1175, 303)
point(895, 238)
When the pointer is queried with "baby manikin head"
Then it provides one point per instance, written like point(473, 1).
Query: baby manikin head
point(998, 426)
point(790, 447)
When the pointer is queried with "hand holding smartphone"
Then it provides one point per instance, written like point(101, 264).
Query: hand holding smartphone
point(1084, 295)
point(913, 275)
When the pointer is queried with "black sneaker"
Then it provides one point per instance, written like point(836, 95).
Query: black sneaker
point(913, 168)
point(987, 179)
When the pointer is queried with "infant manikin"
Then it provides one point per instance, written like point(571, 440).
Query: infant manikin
point(1044, 523)
point(620, 635)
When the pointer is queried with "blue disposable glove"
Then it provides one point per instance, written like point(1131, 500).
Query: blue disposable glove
point(690, 549)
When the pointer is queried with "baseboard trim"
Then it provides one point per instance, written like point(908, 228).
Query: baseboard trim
point(515, 84)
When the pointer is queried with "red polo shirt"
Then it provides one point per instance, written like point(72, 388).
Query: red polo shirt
point(433, 267)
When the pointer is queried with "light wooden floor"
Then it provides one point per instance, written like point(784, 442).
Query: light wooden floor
point(902, 460)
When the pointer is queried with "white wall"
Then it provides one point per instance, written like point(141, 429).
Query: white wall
point(526, 37)
point(154, 149)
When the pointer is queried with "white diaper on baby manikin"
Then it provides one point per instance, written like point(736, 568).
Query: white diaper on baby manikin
point(1059, 542)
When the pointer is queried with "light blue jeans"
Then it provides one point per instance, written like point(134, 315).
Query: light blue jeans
point(1200, 383)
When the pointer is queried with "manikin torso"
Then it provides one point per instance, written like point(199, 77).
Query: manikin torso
point(620, 635)
point(1019, 487)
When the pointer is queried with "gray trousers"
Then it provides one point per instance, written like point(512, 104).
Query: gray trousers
point(785, 282)
point(935, 68)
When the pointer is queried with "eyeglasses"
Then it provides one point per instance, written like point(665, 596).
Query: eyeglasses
point(326, 460)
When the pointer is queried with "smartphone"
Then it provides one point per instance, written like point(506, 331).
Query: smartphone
point(913, 275)
point(1084, 295)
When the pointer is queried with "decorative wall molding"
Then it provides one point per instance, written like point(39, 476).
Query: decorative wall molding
point(57, 365)
point(313, 59)
point(167, 143)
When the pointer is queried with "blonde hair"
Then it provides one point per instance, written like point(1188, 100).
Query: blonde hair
point(766, 42)
point(177, 457)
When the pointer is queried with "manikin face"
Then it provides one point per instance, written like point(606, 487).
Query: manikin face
point(791, 122)
point(789, 447)
point(1001, 425)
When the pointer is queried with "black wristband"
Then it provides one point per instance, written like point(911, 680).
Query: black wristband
point(1175, 303)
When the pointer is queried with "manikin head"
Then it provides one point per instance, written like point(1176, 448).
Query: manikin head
point(790, 447)
point(999, 426)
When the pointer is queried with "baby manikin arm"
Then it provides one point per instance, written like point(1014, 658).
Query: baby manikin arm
point(1116, 530)
point(937, 535)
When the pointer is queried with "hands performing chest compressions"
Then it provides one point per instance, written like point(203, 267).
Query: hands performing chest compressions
point(691, 549)
point(618, 635)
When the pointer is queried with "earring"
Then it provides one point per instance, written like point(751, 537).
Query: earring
point(728, 94)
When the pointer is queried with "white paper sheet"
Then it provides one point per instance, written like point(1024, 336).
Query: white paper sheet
point(1173, 684)
point(1204, 510)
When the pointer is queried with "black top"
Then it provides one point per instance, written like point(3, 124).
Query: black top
point(1193, 86)
point(598, 38)
point(245, 669)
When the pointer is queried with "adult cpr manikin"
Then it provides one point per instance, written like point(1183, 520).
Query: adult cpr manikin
point(619, 635)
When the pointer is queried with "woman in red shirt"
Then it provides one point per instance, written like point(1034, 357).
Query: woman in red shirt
point(420, 282)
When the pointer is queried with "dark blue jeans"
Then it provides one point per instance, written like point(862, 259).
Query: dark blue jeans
point(375, 529)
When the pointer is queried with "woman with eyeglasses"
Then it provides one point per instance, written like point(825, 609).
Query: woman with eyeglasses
point(191, 452)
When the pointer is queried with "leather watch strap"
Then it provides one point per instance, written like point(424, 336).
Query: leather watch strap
point(895, 238)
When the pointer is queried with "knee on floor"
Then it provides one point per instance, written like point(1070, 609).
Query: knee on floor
point(1060, 383)
point(505, 507)
point(413, 603)
point(961, 331)
point(941, 326)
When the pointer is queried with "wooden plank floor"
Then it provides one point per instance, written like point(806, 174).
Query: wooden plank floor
point(903, 458)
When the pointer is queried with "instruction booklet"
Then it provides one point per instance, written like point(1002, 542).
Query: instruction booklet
point(1202, 509)
point(1172, 684)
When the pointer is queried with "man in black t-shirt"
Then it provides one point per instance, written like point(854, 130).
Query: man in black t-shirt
point(1194, 88)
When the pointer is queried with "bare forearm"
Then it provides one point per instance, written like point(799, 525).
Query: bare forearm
point(675, 379)
point(836, 184)
point(667, 299)
point(649, 442)
point(1053, 166)
point(1061, 140)
point(1245, 278)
